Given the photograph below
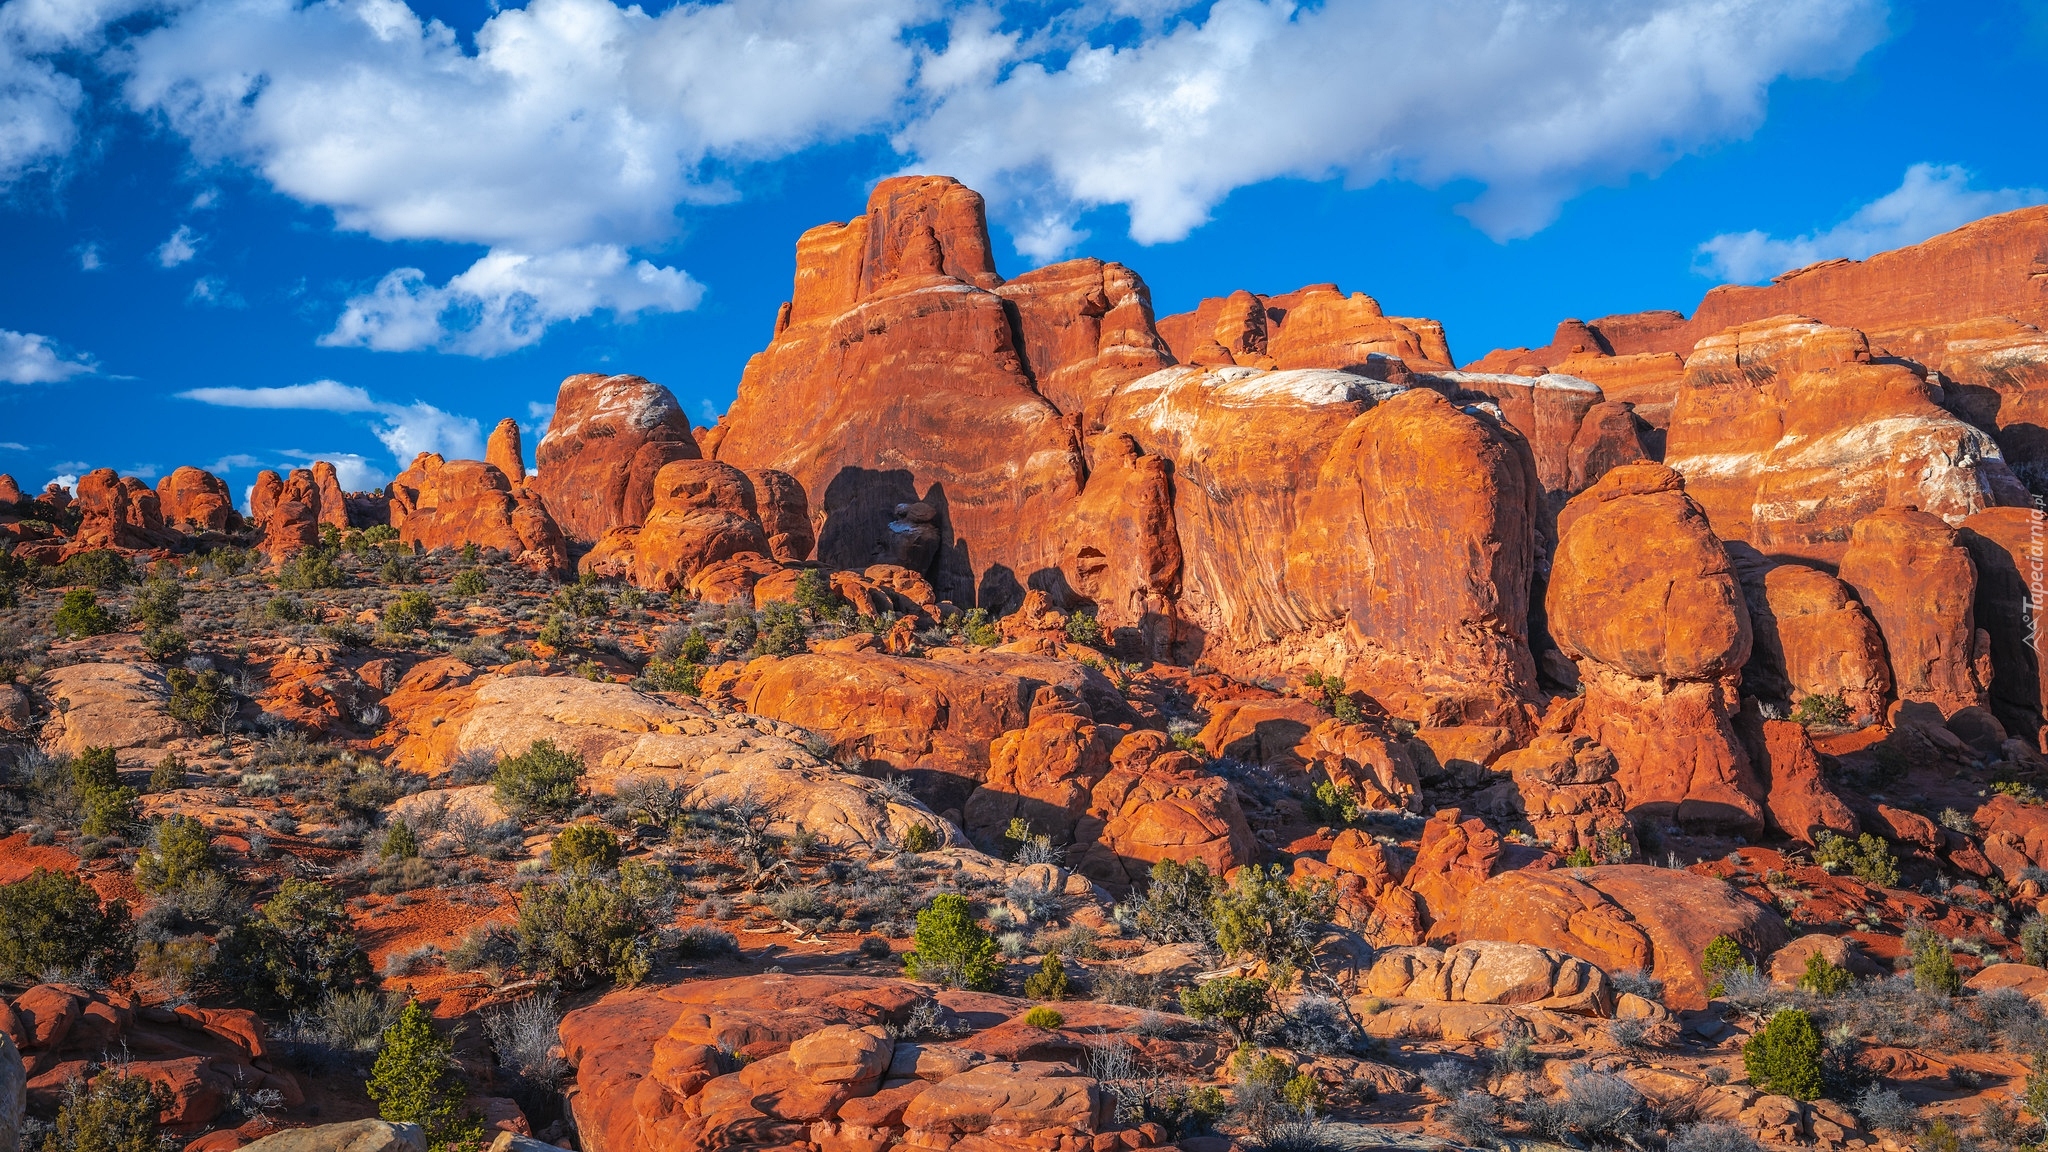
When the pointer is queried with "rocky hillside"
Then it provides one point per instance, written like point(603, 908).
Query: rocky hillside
point(1025, 722)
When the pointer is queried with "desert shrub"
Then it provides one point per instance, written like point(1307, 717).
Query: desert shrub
point(168, 775)
point(585, 848)
point(157, 603)
point(201, 699)
point(312, 568)
point(1330, 694)
point(1721, 956)
point(488, 948)
point(525, 1035)
point(80, 615)
point(581, 929)
point(1823, 977)
point(919, 838)
point(1261, 914)
point(1784, 1058)
point(1604, 1108)
point(1179, 904)
point(1050, 981)
point(1475, 1117)
point(179, 853)
point(410, 961)
point(1117, 985)
point(684, 676)
point(1884, 1110)
point(1638, 982)
point(54, 922)
point(978, 630)
point(705, 943)
point(1083, 628)
point(112, 1112)
point(815, 594)
point(2034, 941)
point(1043, 1017)
point(101, 568)
point(400, 842)
point(950, 949)
point(1825, 709)
point(1712, 1136)
point(1315, 1024)
point(1866, 857)
point(400, 569)
point(105, 806)
point(164, 645)
point(1447, 1078)
point(1276, 1105)
point(540, 779)
point(470, 582)
point(409, 612)
point(1934, 966)
point(782, 630)
point(283, 610)
point(298, 948)
point(414, 1082)
point(1238, 1003)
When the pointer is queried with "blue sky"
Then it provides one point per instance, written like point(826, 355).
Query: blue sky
point(246, 233)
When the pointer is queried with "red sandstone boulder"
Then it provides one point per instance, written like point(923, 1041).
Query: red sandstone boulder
point(447, 504)
point(1313, 327)
point(1548, 410)
point(703, 514)
point(1797, 799)
point(1812, 638)
point(1913, 574)
point(608, 438)
point(1455, 856)
point(1610, 435)
point(1624, 918)
point(785, 515)
point(1043, 773)
point(1158, 805)
point(330, 503)
point(263, 496)
point(1643, 595)
point(196, 501)
point(1564, 787)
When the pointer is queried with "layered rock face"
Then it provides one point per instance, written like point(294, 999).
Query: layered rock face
point(1788, 432)
point(1085, 329)
point(703, 513)
point(1969, 304)
point(1643, 596)
point(609, 437)
point(2009, 547)
point(440, 503)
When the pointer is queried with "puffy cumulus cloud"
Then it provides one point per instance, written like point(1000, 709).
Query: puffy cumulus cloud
point(1535, 102)
point(507, 300)
point(40, 102)
point(1932, 199)
point(26, 358)
point(182, 246)
point(572, 122)
point(405, 429)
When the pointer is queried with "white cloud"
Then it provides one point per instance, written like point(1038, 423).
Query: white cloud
point(182, 246)
point(319, 396)
point(143, 471)
point(235, 462)
point(89, 259)
point(26, 358)
point(573, 122)
point(214, 292)
point(405, 429)
point(507, 301)
point(12, 446)
point(1535, 102)
point(65, 480)
point(1932, 199)
point(538, 416)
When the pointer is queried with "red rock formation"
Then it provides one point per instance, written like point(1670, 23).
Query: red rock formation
point(1312, 327)
point(1564, 786)
point(785, 515)
point(1085, 329)
point(896, 378)
point(1610, 435)
point(1548, 410)
point(1788, 433)
point(608, 438)
point(703, 514)
point(1914, 575)
point(1798, 801)
point(1811, 636)
point(1624, 918)
point(503, 451)
point(1159, 804)
point(263, 496)
point(1043, 773)
point(2009, 547)
point(118, 512)
point(10, 492)
point(331, 503)
point(1316, 511)
point(447, 504)
point(1455, 856)
point(1642, 595)
point(196, 500)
